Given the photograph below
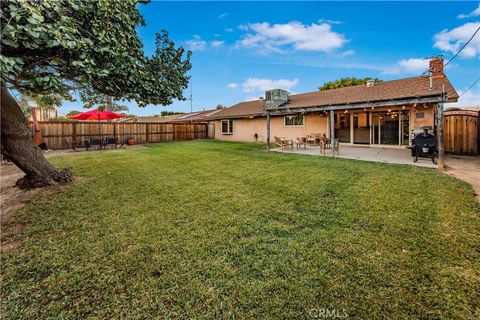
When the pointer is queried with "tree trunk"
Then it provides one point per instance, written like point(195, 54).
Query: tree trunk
point(18, 146)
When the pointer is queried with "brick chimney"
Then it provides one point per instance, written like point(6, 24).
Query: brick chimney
point(436, 68)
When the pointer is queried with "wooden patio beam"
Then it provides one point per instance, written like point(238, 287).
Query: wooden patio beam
point(268, 130)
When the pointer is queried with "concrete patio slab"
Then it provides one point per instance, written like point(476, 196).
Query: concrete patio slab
point(397, 155)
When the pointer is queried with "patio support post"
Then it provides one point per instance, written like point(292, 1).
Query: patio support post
point(268, 130)
point(441, 146)
point(332, 130)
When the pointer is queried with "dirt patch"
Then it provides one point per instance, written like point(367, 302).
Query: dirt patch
point(12, 199)
point(466, 168)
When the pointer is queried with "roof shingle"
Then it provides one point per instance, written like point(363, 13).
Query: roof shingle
point(416, 87)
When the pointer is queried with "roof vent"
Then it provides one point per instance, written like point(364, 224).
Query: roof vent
point(370, 83)
point(276, 97)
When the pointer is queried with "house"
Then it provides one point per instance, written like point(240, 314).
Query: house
point(383, 113)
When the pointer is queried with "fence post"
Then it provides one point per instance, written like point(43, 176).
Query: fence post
point(74, 132)
point(146, 132)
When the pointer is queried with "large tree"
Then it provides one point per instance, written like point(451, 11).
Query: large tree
point(345, 82)
point(54, 47)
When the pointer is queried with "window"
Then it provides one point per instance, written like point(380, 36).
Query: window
point(296, 120)
point(420, 115)
point(227, 126)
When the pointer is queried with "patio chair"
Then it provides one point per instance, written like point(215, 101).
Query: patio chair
point(324, 145)
point(74, 144)
point(336, 147)
point(283, 143)
point(311, 139)
point(317, 137)
point(325, 140)
point(89, 143)
point(110, 141)
point(301, 141)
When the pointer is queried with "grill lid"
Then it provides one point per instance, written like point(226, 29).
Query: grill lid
point(425, 139)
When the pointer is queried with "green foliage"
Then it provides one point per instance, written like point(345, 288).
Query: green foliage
point(221, 230)
point(72, 113)
point(346, 82)
point(60, 119)
point(90, 46)
point(42, 101)
point(454, 109)
point(165, 113)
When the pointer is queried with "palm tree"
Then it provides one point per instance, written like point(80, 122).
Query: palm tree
point(44, 104)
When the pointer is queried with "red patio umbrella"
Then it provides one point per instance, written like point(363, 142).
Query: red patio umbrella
point(97, 115)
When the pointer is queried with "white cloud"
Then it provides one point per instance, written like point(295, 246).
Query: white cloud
point(196, 44)
point(272, 38)
point(329, 21)
point(232, 85)
point(257, 84)
point(470, 99)
point(474, 13)
point(346, 53)
point(414, 65)
point(228, 29)
point(409, 66)
point(223, 15)
point(217, 43)
point(251, 98)
point(453, 40)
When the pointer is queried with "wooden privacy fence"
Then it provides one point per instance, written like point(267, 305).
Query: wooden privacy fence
point(60, 135)
point(461, 133)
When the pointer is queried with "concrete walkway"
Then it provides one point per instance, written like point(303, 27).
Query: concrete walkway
point(466, 168)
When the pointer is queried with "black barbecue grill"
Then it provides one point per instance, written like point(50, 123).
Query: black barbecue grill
point(424, 145)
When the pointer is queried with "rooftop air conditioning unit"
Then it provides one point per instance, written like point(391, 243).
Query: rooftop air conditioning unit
point(276, 97)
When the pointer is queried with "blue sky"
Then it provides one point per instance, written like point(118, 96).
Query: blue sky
point(242, 48)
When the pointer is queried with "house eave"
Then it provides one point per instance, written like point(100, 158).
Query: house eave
point(368, 104)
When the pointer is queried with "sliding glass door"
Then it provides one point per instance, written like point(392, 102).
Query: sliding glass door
point(361, 128)
point(390, 128)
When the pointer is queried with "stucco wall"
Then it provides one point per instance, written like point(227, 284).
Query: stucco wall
point(427, 120)
point(245, 129)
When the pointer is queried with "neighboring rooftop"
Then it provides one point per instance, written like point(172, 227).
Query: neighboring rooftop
point(198, 116)
point(417, 87)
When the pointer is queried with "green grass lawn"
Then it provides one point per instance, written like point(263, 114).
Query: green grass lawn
point(225, 230)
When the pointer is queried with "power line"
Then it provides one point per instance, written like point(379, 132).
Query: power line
point(463, 47)
point(470, 87)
